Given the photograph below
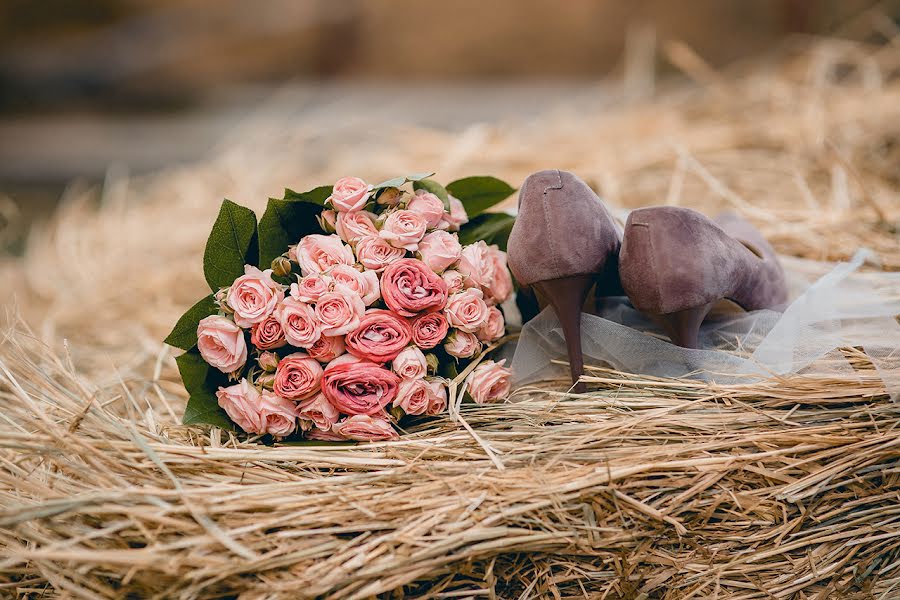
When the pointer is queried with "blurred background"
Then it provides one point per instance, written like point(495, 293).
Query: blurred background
point(90, 85)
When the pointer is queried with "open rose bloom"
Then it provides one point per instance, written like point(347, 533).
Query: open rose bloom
point(359, 323)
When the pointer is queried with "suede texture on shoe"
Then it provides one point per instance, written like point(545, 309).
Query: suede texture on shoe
point(674, 259)
point(562, 229)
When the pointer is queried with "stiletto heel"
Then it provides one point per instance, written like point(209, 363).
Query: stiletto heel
point(567, 295)
point(683, 327)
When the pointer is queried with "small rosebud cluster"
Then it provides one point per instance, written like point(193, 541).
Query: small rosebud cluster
point(354, 338)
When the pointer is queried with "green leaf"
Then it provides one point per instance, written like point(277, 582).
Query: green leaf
point(232, 243)
point(184, 334)
point(493, 228)
point(430, 185)
point(398, 181)
point(480, 193)
point(286, 221)
point(201, 381)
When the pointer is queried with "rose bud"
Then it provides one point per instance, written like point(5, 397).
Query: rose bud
point(432, 362)
point(389, 197)
point(268, 361)
point(281, 266)
point(437, 402)
point(493, 328)
point(327, 221)
point(462, 344)
point(266, 380)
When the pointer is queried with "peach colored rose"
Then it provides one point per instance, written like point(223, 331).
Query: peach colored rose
point(375, 253)
point(389, 197)
point(349, 194)
point(346, 359)
point(501, 286)
point(298, 376)
point(277, 416)
point(494, 327)
point(462, 344)
point(327, 220)
point(380, 337)
point(320, 411)
point(429, 329)
point(268, 334)
point(352, 226)
point(359, 388)
point(324, 436)
point(410, 363)
point(413, 396)
point(317, 254)
point(403, 229)
point(466, 310)
point(299, 322)
point(437, 400)
point(268, 361)
point(253, 296)
point(310, 288)
point(409, 287)
point(364, 283)
point(221, 343)
point(429, 206)
point(439, 250)
point(339, 310)
point(242, 404)
point(489, 382)
point(476, 265)
point(364, 428)
point(327, 348)
point(457, 216)
point(454, 280)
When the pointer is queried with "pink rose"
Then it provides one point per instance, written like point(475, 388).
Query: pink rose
point(298, 376)
point(439, 250)
point(268, 334)
point(359, 388)
point(410, 364)
point(454, 280)
point(429, 206)
point(364, 428)
point(408, 287)
point(349, 194)
point(380, 337)
point(457, 216)
point(339, 310)
point(317, 254)
point(299, 322)
point(429, 329)
point(364, 283)
point(310, 288)
point(277, 416)
point(437, 400)
point(466, 310)
point(241, 402)
point(327, 220)
point(268, 361)
point(221, 343)
point(327, 348)
point(320, 411)
point(352, 226)
point(375, 253)
point(489, 382)
point(324, 436)
point(253, 296)
point(501, 286)
point(403, 229)
point(476, 265)
point(494, 327)
point(462, 344)
point(413, 396)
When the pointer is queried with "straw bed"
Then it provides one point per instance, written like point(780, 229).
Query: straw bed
point(641, 488)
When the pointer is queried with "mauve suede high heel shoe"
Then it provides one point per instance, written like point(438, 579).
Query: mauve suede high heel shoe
point(564, 240)
point(675, 264)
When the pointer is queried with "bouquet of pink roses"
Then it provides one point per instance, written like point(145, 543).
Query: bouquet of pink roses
point(348, 307)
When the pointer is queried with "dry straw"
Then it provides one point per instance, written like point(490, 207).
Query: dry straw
point(641, 488)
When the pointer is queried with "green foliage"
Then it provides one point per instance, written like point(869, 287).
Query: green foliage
point(287, 220)
point(232, 243)
point(478, 194)
point(201, 381)
point(398, 181)
point(493, 228)
point(184, 334)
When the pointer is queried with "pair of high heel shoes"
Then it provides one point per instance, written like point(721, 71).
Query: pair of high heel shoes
point(673, 263)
